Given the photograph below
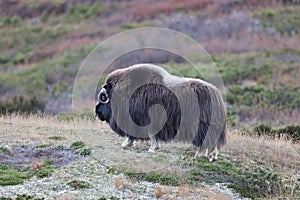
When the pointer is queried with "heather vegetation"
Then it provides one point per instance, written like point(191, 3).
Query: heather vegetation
point(254, 44)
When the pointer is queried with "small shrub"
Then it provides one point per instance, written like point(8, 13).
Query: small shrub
point(263, 129)
point(56, 138)
point(291, 132)
point(267, 14)
point(258, 183)
point(20, 104)
point(86, 152)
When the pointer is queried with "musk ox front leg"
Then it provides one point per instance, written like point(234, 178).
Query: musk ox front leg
point(153, 144)
point(201, 153)
point(128, 142)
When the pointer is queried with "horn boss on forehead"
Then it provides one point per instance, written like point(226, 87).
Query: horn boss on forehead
point(180, 98)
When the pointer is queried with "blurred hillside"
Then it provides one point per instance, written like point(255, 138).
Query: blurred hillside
point(255, 44)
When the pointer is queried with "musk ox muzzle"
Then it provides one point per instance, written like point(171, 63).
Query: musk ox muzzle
point(146, 102)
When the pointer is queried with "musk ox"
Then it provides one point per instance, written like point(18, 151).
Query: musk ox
point(144, 101)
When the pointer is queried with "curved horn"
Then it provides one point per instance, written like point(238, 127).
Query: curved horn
point(103, 96)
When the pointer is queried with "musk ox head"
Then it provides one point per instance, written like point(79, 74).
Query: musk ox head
point(103, 110)
point(146, 102)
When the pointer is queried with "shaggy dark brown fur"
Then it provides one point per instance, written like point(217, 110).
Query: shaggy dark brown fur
point(206, 131)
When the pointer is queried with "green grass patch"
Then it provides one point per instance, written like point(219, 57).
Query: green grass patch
point(255, 182)
point(134, 25)
point(162, 178)
point(85, 152)
point(82, 11)
point(41, 146)
point(258, 183)
point(285, 20)
point(79, 147)
point(46, 170)
point(109, 198)
point(76, 184)
point(22, 197)
point(76, 116)
point(4, 150)
point(12, 176)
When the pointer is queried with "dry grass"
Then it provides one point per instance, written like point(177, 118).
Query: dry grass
point(122, 182)
point(189, 192)
point(37, 165)
point(67, 197)
point(34, 128)
point(280, 154)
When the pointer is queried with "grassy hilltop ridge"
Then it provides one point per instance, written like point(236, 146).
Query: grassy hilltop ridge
point(43, 43)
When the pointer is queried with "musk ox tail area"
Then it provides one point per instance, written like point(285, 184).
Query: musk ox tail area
point(223, 137)
point(212, 120)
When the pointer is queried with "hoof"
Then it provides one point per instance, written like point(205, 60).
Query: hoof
point(213, 159)
point(151, 151)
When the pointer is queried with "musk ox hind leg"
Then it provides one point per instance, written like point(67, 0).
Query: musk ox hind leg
point(212, 156)
point(153, 144)
point(128, 142)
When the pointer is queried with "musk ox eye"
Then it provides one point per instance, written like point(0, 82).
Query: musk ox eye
point(103, 98)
